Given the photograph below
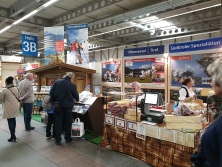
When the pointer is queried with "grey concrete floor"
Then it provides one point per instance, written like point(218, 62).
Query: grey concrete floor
point(33, 150)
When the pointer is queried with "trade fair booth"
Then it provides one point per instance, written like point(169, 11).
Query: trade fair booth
point(138, 132)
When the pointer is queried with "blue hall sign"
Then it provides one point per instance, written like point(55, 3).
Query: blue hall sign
point(212, 43)
point(151, 50)
point(29, 44)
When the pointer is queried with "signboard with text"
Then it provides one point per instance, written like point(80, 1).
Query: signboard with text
point(212, 43)
point(29, 44)
point(151, 50)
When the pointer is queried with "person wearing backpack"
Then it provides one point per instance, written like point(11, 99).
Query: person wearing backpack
point(51, 120)
point(64, 93)
point(186, 93)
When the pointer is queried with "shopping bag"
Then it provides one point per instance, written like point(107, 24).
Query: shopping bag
point(77, 128)
point(44, 117)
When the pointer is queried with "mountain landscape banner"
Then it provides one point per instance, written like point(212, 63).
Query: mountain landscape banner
point(77, 45)
point(53, 44)
point(194, 66)
point(147, 71)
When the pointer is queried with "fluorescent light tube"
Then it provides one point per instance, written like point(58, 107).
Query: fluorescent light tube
point(49, 3)
point(4, 29)
point(25, 17)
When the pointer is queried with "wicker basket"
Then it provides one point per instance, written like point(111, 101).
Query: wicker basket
point(167, 152)
point(140, 155)
point(117, 137)
point(183, 148)
point(164, 164)
point(129, 142)
point(117, 147)
point(152, 160)
point(141, 145)
point(181, 159)
point(129, 150)
point(181, 162)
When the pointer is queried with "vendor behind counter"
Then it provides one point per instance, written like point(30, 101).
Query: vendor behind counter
point(186, 93)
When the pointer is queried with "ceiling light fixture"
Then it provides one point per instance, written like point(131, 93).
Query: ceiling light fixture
point(110, 31)
point(163, 39)
point(25, 17)
point(4, 29)
point(29, 15)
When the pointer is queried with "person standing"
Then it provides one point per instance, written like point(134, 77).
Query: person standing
point(186, 93)
point(211, 145)
point(26, 96)
point(64, 92)
point(9, 97)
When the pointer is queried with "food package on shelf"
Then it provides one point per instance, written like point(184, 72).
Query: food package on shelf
point(133, 117)
point(132, 112)
point(117, 110)
point(112, 103)
point(185, 122)
point(185, 109)
point(121, 102)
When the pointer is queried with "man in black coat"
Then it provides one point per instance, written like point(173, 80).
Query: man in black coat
point(64, 92)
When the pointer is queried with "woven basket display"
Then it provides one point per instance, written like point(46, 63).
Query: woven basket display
point(141, 145)
point(117, 147)
point(164, 164)
point(167, 153)
point(152, 160)
point(183, 148)
point(117, 137)
point(153, 151)
point(129, 150)
point(182, 159)
point(140, 155)
point(130, 142)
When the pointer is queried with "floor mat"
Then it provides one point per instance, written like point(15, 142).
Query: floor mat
point(87, 136)
point(97, 140)
point(36, 117)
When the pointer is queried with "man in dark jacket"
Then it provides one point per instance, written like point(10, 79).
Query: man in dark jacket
point(64, 92)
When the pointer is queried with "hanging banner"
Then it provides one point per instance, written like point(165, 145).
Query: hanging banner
point(53, 44)
point(212, 43)
point(77, 43)
point(194, 66)
point(147, 71)
point(151, 50)
point(29, 44)
point(111, 72)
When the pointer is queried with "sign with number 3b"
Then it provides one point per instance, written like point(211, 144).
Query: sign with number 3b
point(29, 44)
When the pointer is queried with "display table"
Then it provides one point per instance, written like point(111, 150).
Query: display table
point(156, 152)
point(93, 118)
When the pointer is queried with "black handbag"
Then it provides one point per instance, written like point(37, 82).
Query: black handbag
point(58, 104)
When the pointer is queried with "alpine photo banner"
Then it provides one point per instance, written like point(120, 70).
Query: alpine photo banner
point(77, 45)
point(29, 44)
point(194, 66)
point(147, 71)
point(53, 44)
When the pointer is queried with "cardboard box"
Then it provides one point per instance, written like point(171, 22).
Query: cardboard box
point(183, 119)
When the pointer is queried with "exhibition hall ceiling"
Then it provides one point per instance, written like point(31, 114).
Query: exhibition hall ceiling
point(111, 22)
